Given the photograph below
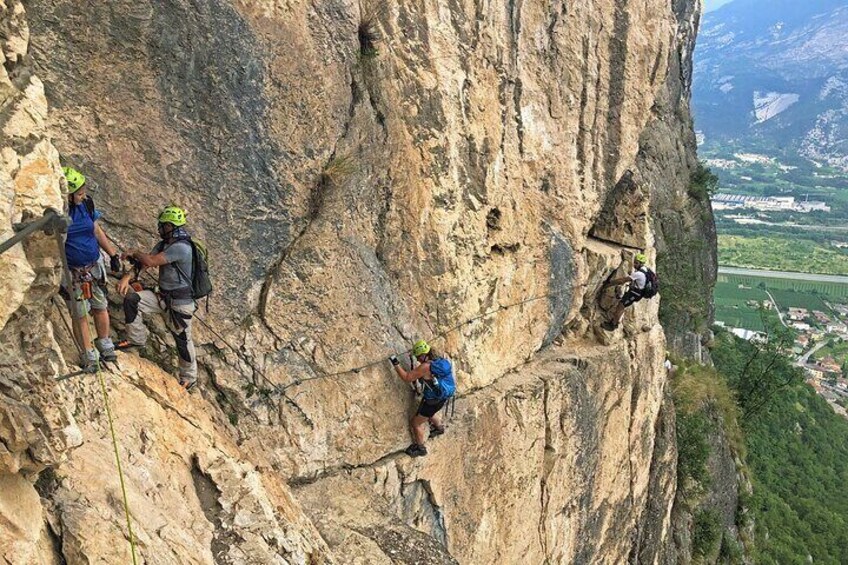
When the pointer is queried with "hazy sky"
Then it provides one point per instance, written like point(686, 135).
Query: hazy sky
point(710, 5)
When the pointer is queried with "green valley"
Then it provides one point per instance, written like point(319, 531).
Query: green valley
point(782, 253)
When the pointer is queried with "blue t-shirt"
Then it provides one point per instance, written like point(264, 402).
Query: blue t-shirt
point(81, 246)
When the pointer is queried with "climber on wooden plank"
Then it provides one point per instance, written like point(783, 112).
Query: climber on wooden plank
point(173, 255)
point(643, 284)
point(84, 240)
point(436, 374)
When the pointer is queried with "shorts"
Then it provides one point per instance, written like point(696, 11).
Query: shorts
point(428, 408)
point(630, 297)
point(80, 307)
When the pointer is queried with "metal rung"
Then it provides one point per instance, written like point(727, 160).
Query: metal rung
point(51, 221)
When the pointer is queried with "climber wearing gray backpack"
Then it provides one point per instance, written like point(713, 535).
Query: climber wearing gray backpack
point(644, 283)
point(183, 278)
point(439, 385)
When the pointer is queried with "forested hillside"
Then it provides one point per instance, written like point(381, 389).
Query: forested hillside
point(797, 451)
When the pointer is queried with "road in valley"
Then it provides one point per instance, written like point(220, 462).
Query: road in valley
point(802, 361)
point(782, 275)
point(776, 309)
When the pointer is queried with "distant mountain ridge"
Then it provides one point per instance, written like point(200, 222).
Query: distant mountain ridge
point(776, 72)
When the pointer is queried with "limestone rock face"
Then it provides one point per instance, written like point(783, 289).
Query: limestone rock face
point(36, 423)
point(526, 461)
point(364, 174)
point(683, 223)
point(193, 498)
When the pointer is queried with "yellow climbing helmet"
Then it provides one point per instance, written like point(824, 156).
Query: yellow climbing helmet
point(75, 179)
point(173, 215)
point(420, 348)
point(641, 258)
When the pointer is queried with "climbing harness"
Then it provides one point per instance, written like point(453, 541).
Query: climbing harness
point(82, 278)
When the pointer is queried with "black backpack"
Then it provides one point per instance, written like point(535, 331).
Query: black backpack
point(652, 283)
point(88, 204)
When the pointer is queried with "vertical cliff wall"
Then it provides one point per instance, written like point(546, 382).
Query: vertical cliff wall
point(37, 426)
point(366, 174)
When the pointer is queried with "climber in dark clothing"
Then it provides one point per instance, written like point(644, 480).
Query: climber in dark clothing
point(637, 280)
point(436, 374)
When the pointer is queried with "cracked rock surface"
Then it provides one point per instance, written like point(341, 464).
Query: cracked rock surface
point(364, 174)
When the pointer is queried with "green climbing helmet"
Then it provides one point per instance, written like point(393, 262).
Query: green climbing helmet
point(641, 258)
point(173, 215)
point(75, 179)
point(420, 348)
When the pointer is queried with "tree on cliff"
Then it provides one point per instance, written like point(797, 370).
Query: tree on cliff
point(755, 369)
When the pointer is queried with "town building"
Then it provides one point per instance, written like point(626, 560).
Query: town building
point(766, 203)
point(841, 308)
point(821, 317)
point(748, 335)
point(798, 313)
point(829, 365)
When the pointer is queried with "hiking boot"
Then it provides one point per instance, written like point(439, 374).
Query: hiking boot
point(188, 386)
point(436, 430)
point(89, 362)
point(416, 450)
point(609, 326)
point(106, 349)
point(125, 344)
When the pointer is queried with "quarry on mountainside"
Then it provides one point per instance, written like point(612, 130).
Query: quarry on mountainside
point(364, 175)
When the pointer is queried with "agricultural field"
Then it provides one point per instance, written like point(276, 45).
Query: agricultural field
point(786, 240)
point(735, 306)
point(833, 291)
point(782, 254)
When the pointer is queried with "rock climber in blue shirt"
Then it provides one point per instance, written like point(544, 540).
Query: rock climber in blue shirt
point(85, 238)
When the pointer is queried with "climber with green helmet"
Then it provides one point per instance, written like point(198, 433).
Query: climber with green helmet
point(84, 240)
point(174, 300)
point(436, 375)
point(638, 281)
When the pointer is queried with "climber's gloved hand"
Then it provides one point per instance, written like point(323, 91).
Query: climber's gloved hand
point(130, 258)
point(115, 263)
point(394, 360)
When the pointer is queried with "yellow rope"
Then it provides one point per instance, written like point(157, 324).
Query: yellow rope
point(117, 462)
point(89, 321)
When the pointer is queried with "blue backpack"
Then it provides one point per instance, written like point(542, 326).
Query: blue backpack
point(442, 370)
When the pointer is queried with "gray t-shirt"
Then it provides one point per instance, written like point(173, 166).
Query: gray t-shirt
point(177, 254)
